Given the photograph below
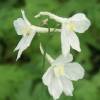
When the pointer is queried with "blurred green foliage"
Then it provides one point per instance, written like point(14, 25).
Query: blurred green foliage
point(21, 80)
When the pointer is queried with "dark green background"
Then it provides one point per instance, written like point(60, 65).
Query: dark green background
point(21, 80)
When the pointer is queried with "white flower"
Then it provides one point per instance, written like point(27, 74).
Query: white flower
point(23, 27)
point(59, 76)
point(77, 23)
point(27, 30)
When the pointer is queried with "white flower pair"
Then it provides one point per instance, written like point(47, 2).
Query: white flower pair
point(77, 23)
point(63, 71)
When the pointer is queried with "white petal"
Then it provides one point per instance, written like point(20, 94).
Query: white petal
point(24, 44)
point(69, 38)
point(63, 59)
point(47, 77)
point(65, 45)
point(21, 42)
point(55, 88)
point(67, 86)
point(19, 54)
point(24, 17)
point(53, 83)
point(81, 22)
point(74, 71)
point(74, 41)
point(20, 25)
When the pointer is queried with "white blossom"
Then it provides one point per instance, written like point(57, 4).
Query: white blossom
point(59, 76)
point(77, 23)
point(27, 30)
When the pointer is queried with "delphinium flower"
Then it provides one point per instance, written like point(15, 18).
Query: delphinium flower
point(59, 76)
point(27, 30)
point(69, 26)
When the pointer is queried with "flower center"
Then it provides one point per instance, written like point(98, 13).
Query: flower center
point(26, 30)
point(59, 70)
point(71, 26)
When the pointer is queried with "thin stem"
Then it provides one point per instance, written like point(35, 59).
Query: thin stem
point(45, 55)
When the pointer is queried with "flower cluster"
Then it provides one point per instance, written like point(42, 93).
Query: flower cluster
point(59, 76)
